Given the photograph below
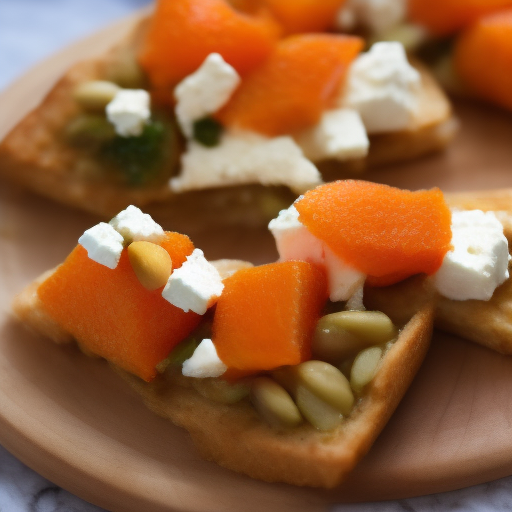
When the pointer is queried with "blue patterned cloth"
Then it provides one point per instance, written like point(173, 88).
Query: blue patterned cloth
point(31, 30)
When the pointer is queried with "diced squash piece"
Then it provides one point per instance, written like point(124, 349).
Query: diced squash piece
point(292, 88)
point(298, 16)
point(382, 231)
point(445, 17)
point(483, 58)
point(266, 316)
point(112, 315)
point(184, 32)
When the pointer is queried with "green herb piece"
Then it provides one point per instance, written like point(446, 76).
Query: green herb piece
point(183, 351)
point(138, 158)
point(207, 131)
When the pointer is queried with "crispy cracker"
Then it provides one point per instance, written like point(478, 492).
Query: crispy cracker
point(236, 438)
point(36, 155)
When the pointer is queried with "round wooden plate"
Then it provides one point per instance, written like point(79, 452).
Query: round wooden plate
point(74, 421)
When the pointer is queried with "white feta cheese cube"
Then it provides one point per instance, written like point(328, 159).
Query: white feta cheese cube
point(295, 242)
point(478, 263)
point(339, 135)
point(245, 157)
point(355, 302)
point(375, 15)
point(103, 244)
point(134, 225)
point(343, 280)
point(205, 91)
point(204, 362)
point(129, 111)
point(384, 88)
point(195, 285)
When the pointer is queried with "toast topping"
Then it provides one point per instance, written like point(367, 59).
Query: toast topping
point(274, 404)
point(295, 242)
point(204, 92)
point(129, 111)
point(95, 95)
point(239, 88)
point(383, 232)
point(262, 334)
point(384, 88)
point(339, 336)
point(197, 29)
point(204, 362)
point(195, 286)
point(151, 263)
point(266, 316)
point(365, 367)
point(478, 262)
point(103, 244)
point(339, 135)
point(290, 90)
point(245, 157)
point(112, 315)
point(134, 225)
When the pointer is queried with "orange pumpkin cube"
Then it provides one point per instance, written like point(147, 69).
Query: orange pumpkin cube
point(266, 316)
point(292, 88)
point(483, 58)
point(112, 315)
point(445, 17)
point(384, 232)
point(184, 32)
point(298, 16)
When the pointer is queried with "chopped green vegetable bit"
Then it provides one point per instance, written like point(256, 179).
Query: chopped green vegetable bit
point(183, 351)
point(207, 131)
point(138, 157)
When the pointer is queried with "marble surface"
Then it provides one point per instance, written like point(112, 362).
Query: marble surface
point(29, 31)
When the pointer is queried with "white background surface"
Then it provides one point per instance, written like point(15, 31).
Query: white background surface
point(29, 31)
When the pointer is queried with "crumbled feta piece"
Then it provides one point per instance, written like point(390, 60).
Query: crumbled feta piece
point(295, 242)
point(339, 135)
point(103, 244)
point(134, 225)
point(129, 111)
point(343, 280)
point(204, 362)
point(355, 302)
point(245, 157)
point(478, 262)
point(384, 88)
point(195, 285)
point(204, 92)
point(375, 15)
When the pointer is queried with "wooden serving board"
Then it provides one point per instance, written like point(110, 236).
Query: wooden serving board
point(71, 419)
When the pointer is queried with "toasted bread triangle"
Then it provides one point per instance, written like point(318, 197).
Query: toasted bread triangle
point(236, 438)
point(35, 155)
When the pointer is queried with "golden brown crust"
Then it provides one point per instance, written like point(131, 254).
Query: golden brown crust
point(28, 309)
point(234, 436)
point(35, 154)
